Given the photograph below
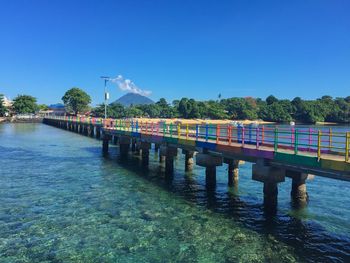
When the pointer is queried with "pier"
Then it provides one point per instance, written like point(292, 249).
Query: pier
point(276, 153)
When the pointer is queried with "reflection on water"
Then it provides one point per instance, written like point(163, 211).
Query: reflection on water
point(62, 201)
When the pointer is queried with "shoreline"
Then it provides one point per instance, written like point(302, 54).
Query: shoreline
point(16, 120)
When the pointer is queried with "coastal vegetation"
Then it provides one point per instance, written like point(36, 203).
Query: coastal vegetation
point(24, 104)
point(3, 109)
point(76, 100)
point(324, 109)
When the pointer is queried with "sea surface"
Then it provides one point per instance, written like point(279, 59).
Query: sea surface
point(62, 201)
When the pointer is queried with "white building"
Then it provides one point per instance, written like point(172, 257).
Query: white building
point(7, 102)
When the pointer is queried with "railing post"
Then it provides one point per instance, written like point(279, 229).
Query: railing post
point(257, 137)
point(250, 133)
point(330, 139)
point(206, 132)
point(296, 141)
point(310, 138)
point(217, 133)
point(243, 136)
point(275, 141)
point(319, 144)
point(347, 139)
point(197, 131)
point(262, 134)
point(187, 131)
point(171, 129)
point(229, 134)
point(178, 130)
point(164, 127)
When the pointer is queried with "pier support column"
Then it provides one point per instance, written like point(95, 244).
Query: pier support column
point(270, 176)
point(86, 131)
point(298, 193)
point(233, 171)
point(92, 133)
point(270, 195)
point(161, 158)
point(156, 147)
point(169, 153)
point(98, 132)
point(145, 146)
point(209, 162)
point(105, 143)
point(138, 148)
point(133, 145)
point(124, 145)
point(188, 159)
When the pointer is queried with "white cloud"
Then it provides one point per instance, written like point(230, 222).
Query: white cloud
point(129, 86)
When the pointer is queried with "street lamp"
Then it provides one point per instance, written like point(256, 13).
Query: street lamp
point(106, 79)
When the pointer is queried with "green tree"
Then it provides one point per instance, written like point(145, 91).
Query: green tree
point(133, 112)
point(277, 111)
point(43, 107)
point(271, 99)
point(76, 100)
point(3, 109)
point(241, 108)
point(24, 104)
point(215, 110)
point(166, 111)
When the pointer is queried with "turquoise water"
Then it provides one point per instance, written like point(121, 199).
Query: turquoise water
point(62, 201)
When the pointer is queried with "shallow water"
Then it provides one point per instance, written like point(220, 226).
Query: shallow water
point(61, 201)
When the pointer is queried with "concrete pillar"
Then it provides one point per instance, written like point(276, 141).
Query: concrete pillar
point(105, 143)
point(270, 176)
point(133, 145)
point(169, 153)
point(209, 162)
point(145, 146)
point(188, 159)
point(92, 131)
point(270, 195)
point(161, 158)
point(298, 193)
point(156, 147)
point(98, 132)
point(86, 130)
point(137, 148)
point(232, 171)
point(210, 176)
point(124, 145)
point(169, 164)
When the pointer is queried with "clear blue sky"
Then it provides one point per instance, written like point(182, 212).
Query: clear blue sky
point(176, 48)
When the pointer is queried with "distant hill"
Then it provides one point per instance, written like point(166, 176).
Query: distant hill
point(133, 99)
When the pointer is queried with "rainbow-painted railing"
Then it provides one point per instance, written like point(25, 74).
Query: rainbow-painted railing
point(323, 142)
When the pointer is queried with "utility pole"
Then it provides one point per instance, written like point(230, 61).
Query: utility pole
point(106, 79)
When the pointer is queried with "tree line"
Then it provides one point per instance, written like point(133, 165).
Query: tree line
point(22, 104)
point(324, 109)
